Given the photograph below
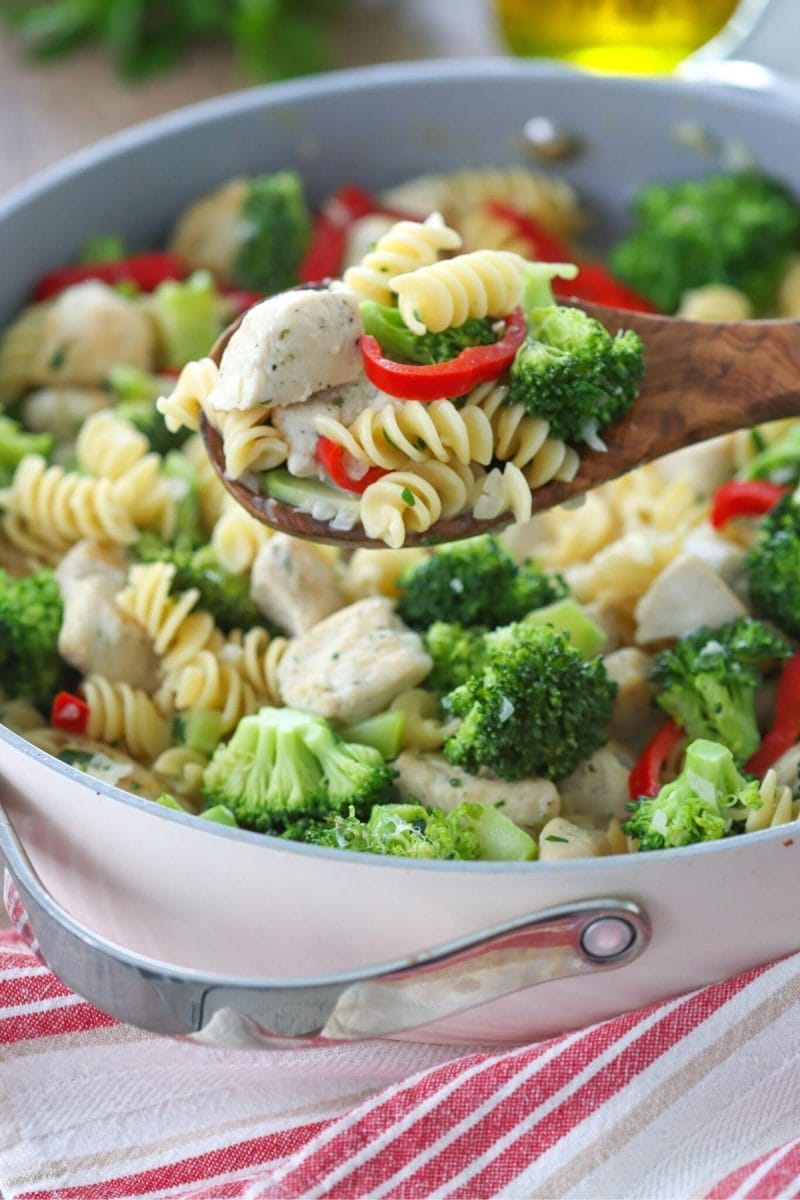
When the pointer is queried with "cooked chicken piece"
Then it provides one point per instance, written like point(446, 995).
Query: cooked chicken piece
point(635, 716)
point(725, 557)
point(96, 637)
point(209, 233)
point(560, 840)
point(61, 410)
point(787, 767)
point(705, 466)
point(289, 347)
point(433, 781)
point(296, 421)
point(89, 329)
point(598, 788)
point(91, 558)
point(293, 584)
point(684, 596)
point(352, 664)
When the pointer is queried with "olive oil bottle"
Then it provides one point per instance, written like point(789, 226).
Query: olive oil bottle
point(640, 36)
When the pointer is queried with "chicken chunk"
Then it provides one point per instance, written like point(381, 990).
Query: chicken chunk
point(89, 329)
point(635, 717)
point(432, 780)
point(61, 410)
point(293, 584)
point(561, 840)
point(209, 233)
point(96, 637)
point(598, 788)
point(352, 664)
point(685, 595)
point(289, 347)
point(296, 421)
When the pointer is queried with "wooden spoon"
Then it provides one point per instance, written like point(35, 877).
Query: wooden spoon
point(701, 379)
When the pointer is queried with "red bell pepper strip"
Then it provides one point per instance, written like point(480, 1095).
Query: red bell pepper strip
point(454, 377)
point(594, 282)
point(645, 776)
point(147, 271)
point(744, 498)
point(332, 457)
point(329, 237)
point(785, 728)
point(70, 713)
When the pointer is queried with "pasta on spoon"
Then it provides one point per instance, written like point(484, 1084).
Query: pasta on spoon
point(417, 399)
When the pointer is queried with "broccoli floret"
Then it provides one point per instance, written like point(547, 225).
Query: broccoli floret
point(574, 374)
point(457, 653)
point(470, 831)
point(30, 620)
point(398, 342)
point(779, 462)
point(135, 393)
point(707, 681)
point(703, 804)
point(225, 596)
point(283, 769)
point(535, 708)
point(15, 443)
point(278, 226)
point(474, 582)
point(737, 228)
point(188, 317)
point(773, 565)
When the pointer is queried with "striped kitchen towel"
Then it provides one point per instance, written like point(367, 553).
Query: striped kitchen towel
point(695, 1097)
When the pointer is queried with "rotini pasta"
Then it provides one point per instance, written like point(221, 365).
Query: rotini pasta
point(108, 447)
point(376, 572)
point(402, 432)
point(237, 537)
point(257, 657)
point(182, 769)
point(500, 491)
point(208, 681)
point(182, 407)
point(19, 348)
point(119, 713)
point(414, 500)
point(214, 499)
point(523, 439)
point(481, 229)
point(778, 806)
point(249, 441)
point(178, 633)
point(57, 508)
point(405, 247)
point(484, 283)
point(552, 201)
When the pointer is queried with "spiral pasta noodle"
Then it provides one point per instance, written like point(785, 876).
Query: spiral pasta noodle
point(484, 283)
point(405, 247)
point(178, 633)
point(502, 490)
point(249, 441)
point(778, 806)
point(182, 768)
point(414, 500)
point(19, 350)
point(408, 431)
point(208, 681)
point(119, 713)
point(58, 508)
point(181, 409)
point(236, 538)
point(108, 447)
point(257, 657)
point(376, 572)
point(524, 439)
point(481, 229)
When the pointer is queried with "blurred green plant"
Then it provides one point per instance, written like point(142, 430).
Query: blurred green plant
point(273, 39)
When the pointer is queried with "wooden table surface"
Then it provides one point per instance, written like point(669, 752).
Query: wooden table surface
point(48, 111)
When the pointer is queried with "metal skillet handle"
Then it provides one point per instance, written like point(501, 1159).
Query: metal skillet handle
point(589, 936)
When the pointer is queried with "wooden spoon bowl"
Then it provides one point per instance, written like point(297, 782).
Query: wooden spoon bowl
point(701, 379)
